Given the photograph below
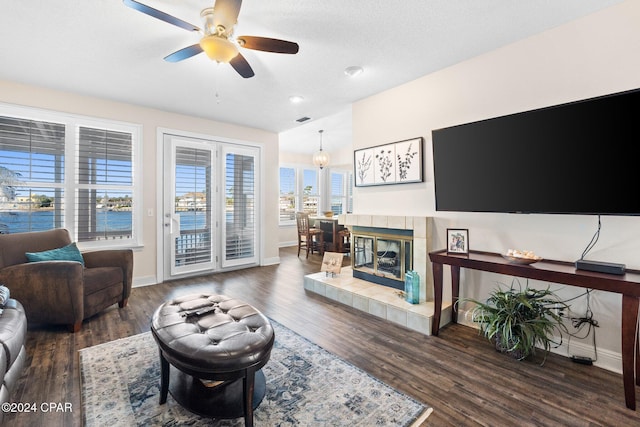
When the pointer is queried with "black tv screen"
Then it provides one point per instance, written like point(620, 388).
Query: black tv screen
point(575, 158)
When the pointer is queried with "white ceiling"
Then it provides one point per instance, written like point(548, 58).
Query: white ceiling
point(105, 49)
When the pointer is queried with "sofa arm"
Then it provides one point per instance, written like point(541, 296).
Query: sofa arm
point(50, 291)
point(122, 258)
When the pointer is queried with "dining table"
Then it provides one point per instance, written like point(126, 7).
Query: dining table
point(332, 232)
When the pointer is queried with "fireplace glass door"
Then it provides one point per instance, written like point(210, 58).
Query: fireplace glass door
point(363, 253)
point(382, 257)
point(388, 258)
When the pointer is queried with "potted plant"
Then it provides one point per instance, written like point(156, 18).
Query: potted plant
point(518, 321)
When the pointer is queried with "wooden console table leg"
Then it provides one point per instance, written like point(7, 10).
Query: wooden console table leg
point(437, 297)
point(629, 332)
point(455, 292)
point(638, 358)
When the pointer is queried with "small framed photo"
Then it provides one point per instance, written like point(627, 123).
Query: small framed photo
point(457, 241)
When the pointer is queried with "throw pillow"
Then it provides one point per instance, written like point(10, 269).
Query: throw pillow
point(66, 253)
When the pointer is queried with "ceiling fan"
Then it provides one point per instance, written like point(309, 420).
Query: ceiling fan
point(218, 41)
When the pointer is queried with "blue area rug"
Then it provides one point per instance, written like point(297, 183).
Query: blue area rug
point(306, 386)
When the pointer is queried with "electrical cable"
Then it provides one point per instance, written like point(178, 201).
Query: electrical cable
point(577, 296)
point(580, 322)
point(593, 241)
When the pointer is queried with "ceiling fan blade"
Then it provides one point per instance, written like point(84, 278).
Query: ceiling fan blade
point(184, 53)
point(268, 45)
point(242, 66)
point(225, 13)
point(160, 15)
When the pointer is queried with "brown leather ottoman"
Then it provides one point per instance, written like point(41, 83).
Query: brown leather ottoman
point(218, 345)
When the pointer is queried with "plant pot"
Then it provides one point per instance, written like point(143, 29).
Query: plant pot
point(518, 354)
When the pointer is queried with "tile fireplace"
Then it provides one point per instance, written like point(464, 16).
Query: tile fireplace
point(384, 247)
point(398, 244)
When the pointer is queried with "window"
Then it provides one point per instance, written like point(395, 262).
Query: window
point(300, 191)
point(310, 193)
point(67, 171)
point(341, 192)
point(32, 161)
point(337, 193)
point(287, 195)
point(104, 179)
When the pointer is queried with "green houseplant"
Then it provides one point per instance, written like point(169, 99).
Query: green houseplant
point(518, 320)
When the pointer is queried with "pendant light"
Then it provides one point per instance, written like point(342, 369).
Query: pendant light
point(321, 158)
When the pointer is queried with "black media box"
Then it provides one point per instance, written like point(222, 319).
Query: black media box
point(600, 267)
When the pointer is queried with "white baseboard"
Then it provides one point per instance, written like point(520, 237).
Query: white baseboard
point(144, 281)
point(270, 261)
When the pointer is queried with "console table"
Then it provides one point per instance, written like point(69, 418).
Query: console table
point(628, 285)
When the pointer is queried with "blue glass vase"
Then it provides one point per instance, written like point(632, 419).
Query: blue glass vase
point(412, 287)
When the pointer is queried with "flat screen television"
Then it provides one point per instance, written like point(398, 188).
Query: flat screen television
point(575, 158)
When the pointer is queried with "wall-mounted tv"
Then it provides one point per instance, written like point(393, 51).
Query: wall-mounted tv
point(575, 158)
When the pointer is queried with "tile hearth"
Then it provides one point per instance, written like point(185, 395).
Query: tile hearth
point(381, 301)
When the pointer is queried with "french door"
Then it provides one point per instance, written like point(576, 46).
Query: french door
point(189, 206)
point(210, 207)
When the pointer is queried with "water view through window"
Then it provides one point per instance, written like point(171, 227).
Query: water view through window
point(112, 221)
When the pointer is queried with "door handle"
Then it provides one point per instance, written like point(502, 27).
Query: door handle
point(175, 219)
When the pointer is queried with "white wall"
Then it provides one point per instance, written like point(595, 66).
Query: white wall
point(145, 265)
point(592, 56)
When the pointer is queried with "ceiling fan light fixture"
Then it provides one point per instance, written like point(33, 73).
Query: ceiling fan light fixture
point(219, 48)
point(321, 158)
point(218, 41)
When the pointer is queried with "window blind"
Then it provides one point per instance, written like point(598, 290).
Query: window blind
point(310, 198)
point(240, 209)
point(104, 174)
point(287, 194)
point(337, 193)
point(32, 161)
point(193, 205)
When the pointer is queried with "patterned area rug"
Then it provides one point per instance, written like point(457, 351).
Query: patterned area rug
point(306, 386)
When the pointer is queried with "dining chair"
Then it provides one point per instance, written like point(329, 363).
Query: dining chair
point(308, 237)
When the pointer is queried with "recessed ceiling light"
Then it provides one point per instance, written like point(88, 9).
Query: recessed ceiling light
point(296, 99)
point(353, 71)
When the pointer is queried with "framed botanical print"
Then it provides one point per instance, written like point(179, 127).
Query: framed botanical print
point(396, 163)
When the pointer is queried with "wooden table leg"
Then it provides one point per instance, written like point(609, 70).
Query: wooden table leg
point(164, 378)
point(247, 396)
point(629, 334)
point(455, 292)
point(638, 359)
point(437, 297)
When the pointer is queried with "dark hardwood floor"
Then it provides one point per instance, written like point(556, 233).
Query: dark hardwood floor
point(458, 373)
